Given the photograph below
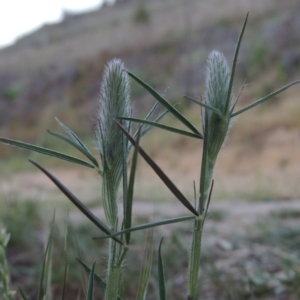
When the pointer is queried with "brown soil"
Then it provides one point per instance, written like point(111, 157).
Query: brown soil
point(84, 185)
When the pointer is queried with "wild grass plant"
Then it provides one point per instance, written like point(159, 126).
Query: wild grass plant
point(114, 140)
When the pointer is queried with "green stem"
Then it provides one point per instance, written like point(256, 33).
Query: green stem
point(114, 272)
point(109, 194)
point(209, 170)
point(194, 260)
point(195, 253)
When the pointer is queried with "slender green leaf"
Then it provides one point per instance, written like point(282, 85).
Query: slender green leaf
point(22, 294)
point(48, 266)
point(152, 111)
point(46, 151)
point(209, 198)
point(66, 235)
point(235, 57)
point(101, 283)
point(238, 98)
point(165, 103)
point(71, 134)
point(148, 225)
point(165, 127)
point(143, 127)
point(77, 140)
point(90, 294)
point(120, 261)
point(146, 269)
point(129, 196)
point(65, 281)
point(265, 98)
point(176, 192)
point(161, 274)
point(76, 145)
point(203, 166)
point(48, 272)
point(83, 277)
point(124, 169)
point(77, 202)
point(213, 109)
point(42, 290)
point(195, 193)
point(149, 127)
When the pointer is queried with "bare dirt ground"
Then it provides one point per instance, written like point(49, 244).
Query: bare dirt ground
point(85, 185)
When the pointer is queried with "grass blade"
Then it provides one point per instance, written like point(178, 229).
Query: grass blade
point(22, 294)
point(235, 57)
point(42, 290)
point(176, 192)
point(124, 169)
point(78, 141)
point(146, 269)
point(65, 281)
point(149, 127)
point(165, 103)
point(77, 202)
point(209, 198)
point(213, 109)
point(46, 151)
point(101, 283)
point(48, 271)
point(203, 167)
point(71, 134)
point(148, 225)
point(129, 196)
point(238, 98)
point(265, 98)
point(161, 274)
point(152, 111)
point(83, 150)
point(83, 277)
point(90, 294)
point(145, 129)
point(165, 127)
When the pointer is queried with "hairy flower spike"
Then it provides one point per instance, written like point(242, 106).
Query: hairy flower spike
point(113, 149)
point(114, 102)
point(216, 96)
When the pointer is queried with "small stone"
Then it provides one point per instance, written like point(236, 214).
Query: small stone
point(225, 245)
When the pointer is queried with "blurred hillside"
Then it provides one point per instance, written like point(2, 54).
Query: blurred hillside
point(58, 68)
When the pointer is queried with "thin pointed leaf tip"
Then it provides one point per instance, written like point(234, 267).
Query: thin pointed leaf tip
point(217, 86)
point(114, 102)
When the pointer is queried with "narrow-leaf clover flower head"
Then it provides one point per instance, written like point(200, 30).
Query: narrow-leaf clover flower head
point(218, 98)
point(114, 103)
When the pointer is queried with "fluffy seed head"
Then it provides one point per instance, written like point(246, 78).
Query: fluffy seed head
point(216, 95)
point(114, 102)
